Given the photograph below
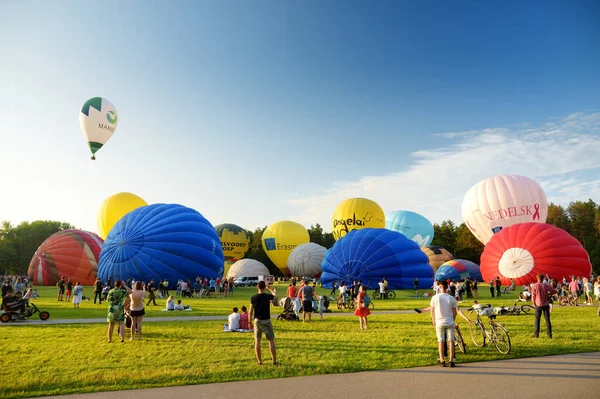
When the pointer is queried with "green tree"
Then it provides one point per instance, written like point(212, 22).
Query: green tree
point(445, 235)
point(18, 244)
point(318, 236)
point(558, 216)
point(467, 245)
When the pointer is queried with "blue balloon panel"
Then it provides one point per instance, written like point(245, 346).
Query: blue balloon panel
point(161, 241)
point(369, 255)
point(447, 272)
point(412, 225)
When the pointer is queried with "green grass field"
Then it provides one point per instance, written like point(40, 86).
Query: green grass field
point(62, 359)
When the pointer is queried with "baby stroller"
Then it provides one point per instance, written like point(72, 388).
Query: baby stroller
point(326, 302)
point(288, 311)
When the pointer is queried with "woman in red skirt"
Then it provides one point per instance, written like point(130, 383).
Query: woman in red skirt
point(362, 308)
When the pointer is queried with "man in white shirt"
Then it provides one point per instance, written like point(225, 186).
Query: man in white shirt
point(443, 314)
point(234, 320)
point(382, 289)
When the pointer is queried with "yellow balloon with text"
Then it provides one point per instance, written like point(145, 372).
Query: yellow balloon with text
point(280, 239)
point(234, 241)
point(356, 214)
point(114, 208)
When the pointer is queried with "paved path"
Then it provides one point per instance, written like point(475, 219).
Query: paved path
point(565, 376)
point(34, 320)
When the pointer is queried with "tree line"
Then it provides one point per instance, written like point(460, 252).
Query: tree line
point(580, 219)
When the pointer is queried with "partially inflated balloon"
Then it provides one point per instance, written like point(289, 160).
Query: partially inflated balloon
point(247, 268)
point(356, 214)
point(161, 241)
point(279, 239)
point(98, 119)
point(437, 255)
point(412, 225)
point(522, 251)
point(369, 255)
point(114, 208)
point(305, 260)
point(70, 253)
point(234, 241)
point(458, 270)
point(501, 201)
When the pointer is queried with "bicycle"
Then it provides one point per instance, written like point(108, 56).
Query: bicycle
point(496, 333)
point(350, 303)
point(514, 310)
point(390, 294)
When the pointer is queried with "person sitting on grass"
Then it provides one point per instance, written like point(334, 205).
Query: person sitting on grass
point(170, 305)
point(234, 320)
point(179, 306)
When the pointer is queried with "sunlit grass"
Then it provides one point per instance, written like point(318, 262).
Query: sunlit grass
point(62, 359)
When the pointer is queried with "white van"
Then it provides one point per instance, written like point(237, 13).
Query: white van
point(244, 281)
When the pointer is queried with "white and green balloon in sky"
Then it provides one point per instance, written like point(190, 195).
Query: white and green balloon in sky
point(98, 119)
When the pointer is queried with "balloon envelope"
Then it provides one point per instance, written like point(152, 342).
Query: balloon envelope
point(437, 255)
point(305, 260)
point(524, 250)
point(234, 241)
point(161, 241)
point(412, 225)
point(114, 208)
point(247, 268)
point(70, 253)
point(279, 239)
point(458, 270)
point(98, 120)
point(501, 201)
point(372, 254)
point(355, 214)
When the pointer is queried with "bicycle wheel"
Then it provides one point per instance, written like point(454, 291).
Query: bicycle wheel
point(458, 340)
point(501, 339)
point(371, 306)
point(527, 309)
point(477, 334)
point(375, 294)
point(391, 295)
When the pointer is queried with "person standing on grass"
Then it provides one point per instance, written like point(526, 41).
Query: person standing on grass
point(260, 314)
point(307, 293)
point(77, 295)
point(116, 311)
point(443, 315)
point(98, 291)
point(61, 288)
point(137, 296)
point(492, 287)
point(540, 292)
point(362, 308)
point(416, 285)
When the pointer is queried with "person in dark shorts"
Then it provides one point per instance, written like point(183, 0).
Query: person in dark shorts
point(69, 290)
point(260, 313)
point(307, 293)
point(61, 288)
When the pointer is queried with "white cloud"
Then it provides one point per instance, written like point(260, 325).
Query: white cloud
point(560, 155)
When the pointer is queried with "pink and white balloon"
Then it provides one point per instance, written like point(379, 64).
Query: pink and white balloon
point(501, 201)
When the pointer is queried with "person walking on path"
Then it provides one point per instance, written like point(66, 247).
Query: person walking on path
point(443, 313)
point(540, 292)
point(260, 313)
point(362, 307)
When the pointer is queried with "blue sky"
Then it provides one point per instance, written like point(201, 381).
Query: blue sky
point(255, 112)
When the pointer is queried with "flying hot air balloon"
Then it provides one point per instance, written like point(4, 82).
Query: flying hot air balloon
point(522, 251)
point(98, 120)
point(501, 201)
point(234, 241)
point(356, 214)
point(114, 208)
point(71, 253)
point(161, 241)
point(279, 239)
point(412, 225)
point(369, 255)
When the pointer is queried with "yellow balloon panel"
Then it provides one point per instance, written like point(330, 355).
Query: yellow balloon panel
point(280, 239)
point(114, 208)
point(356, 214)
point(226, 267)
point(234, 241)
